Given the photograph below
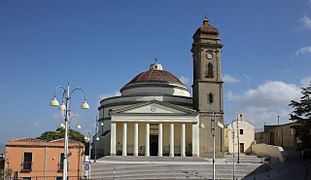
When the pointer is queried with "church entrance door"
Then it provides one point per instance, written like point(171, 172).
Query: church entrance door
point(153, 145)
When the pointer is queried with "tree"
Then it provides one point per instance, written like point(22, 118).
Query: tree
point(302, 115)
point(60, 133)
point(5, 173)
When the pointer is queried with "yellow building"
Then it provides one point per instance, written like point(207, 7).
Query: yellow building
point(239, 136)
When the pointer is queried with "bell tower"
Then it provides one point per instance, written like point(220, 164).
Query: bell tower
point(208, 85)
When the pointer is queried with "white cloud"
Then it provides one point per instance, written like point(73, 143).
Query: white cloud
point(306, 81)
point(19, 124)
point(230, 79)
point(266, 102)
point(306, 20)
point(185, 80)
point(35, 124)
point(57, 116)
point(304, 51)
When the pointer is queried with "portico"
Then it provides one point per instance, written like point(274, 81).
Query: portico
point(154, 129)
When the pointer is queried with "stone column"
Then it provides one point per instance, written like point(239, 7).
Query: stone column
point(160, 137)
point(124, 140)
point(135, 139)
point(147, 148)
point(172, 140)
point(195, 139)
point(183, 140)
point(113, 139)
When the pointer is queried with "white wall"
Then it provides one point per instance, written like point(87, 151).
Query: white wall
point(268, 150)
point(247, 137)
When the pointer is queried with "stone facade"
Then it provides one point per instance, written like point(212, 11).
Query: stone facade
point(283, 135)
point(207, 85)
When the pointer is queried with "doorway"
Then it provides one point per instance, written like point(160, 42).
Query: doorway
point(153, 145)
point(241, 147)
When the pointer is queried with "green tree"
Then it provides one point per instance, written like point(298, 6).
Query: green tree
point(60, 133)
point(302, 114)
point(5, 173)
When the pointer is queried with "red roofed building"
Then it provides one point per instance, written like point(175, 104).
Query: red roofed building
point(33, 158)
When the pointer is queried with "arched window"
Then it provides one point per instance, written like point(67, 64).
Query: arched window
point(210, 98)
point(210, 70)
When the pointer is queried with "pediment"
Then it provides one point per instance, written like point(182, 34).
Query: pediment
point(154, 107)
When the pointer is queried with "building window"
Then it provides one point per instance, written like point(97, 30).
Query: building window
point(271, 138)
point(27, 161)
point(210, 70)
point(210, 98)
point(241, 131)
point(61, 161)
point(61, 178)
point(26, 178)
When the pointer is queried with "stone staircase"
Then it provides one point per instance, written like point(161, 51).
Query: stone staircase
point(174, 168)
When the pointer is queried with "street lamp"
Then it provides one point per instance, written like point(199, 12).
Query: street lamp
point(238, 138)
point(97, 138)
point(213, 129)
point(233, 165)
point(65, 107)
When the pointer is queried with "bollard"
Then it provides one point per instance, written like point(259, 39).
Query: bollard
point(114, 172)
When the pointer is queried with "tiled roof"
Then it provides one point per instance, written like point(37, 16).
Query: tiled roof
point(61, 140)
point(156, 75)
point(26, 139)
point(29, 141)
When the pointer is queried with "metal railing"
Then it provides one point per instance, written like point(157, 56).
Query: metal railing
point(26, 166)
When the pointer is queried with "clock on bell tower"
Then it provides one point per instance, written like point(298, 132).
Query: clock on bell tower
point(207, 82)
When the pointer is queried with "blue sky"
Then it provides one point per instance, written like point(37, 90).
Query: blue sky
point(101, 45)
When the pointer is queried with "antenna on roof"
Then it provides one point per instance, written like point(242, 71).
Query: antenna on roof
point(156, 60)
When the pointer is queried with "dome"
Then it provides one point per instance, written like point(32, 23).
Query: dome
point(155, 81)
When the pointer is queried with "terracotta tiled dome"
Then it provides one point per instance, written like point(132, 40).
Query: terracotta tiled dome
point(155, 75)
point(156, 79)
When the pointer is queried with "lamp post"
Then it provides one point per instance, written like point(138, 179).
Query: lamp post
point(96, 139)
point(213, 129)
point(93, 141)
point(238, 139)
point(65, 107)
point(233, 165)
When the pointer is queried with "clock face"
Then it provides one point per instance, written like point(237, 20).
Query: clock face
point(209, 55)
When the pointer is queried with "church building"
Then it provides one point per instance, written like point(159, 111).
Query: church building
point(155, 114)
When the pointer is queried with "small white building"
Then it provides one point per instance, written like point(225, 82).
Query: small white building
point(240, 133)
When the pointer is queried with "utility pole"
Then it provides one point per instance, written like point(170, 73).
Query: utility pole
point(237, 129)
point(233, 165)
point(214, 144)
